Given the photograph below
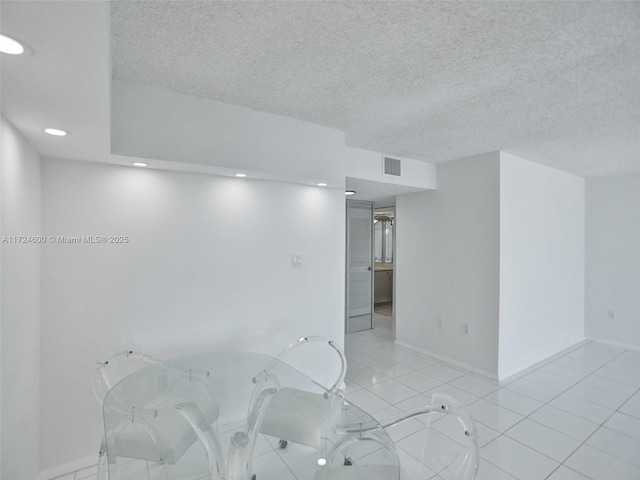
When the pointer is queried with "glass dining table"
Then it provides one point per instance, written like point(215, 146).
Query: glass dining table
point(199, 416)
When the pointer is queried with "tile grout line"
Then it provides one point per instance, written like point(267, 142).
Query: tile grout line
point(584, 442)
point(574, 381)
point(545, 404)
point(591, 435)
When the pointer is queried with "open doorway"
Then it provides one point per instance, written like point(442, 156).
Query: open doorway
point(384, 265)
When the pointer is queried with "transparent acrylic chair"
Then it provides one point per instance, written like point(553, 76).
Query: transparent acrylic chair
point(107, 374)
point(149, 428)
point(301, 416)
point(447, 447)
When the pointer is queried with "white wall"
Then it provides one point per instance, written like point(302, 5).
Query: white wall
point(155, 123)
point(20, 306)
point(500, 246)
point(447, 264)
point(613, 259)
point(207, 266)
point(542, 262)
point(367, 165)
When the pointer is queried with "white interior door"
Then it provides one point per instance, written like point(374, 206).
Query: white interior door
point(359, 265)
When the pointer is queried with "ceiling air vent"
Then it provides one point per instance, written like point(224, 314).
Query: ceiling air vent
point(392, 166)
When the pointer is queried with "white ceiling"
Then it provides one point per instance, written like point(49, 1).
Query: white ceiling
point(557, 83)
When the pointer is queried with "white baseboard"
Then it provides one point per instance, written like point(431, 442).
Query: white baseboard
point(491, 375)
point(577, 343)
point(68, 468)
point(628, 346)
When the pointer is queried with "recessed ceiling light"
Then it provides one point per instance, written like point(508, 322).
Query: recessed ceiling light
point(139, 164)
point(10, 46)
point(241, 175)
point(322, 184)
point(56, 131)
point(350, 192)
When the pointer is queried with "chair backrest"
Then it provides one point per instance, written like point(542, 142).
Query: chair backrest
point(116, 367)
point(449, 443)
point(447, 446)
point(319, 358)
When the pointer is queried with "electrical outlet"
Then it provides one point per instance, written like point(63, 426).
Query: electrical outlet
point(467, 329)
point(611, 314)
point(439, 322)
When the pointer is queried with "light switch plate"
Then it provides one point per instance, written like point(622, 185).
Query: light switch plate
point(296, 260)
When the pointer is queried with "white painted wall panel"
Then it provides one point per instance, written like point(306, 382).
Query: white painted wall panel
point(154, 123)
point(613, 259)
point(207, 266)
point(542, 262)
point(447, 264)
point(20, 306)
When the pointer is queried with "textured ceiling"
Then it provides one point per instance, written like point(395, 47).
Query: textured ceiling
point(555, 83)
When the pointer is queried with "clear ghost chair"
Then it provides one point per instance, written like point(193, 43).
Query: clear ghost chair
point(152, 430)
point(107, 374)
point(447, 446)
point(296, 415)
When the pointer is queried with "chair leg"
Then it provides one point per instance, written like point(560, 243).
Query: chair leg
point(157, 471)
point(102, 461)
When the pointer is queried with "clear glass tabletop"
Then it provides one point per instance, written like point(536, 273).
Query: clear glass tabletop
point(199, 416)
